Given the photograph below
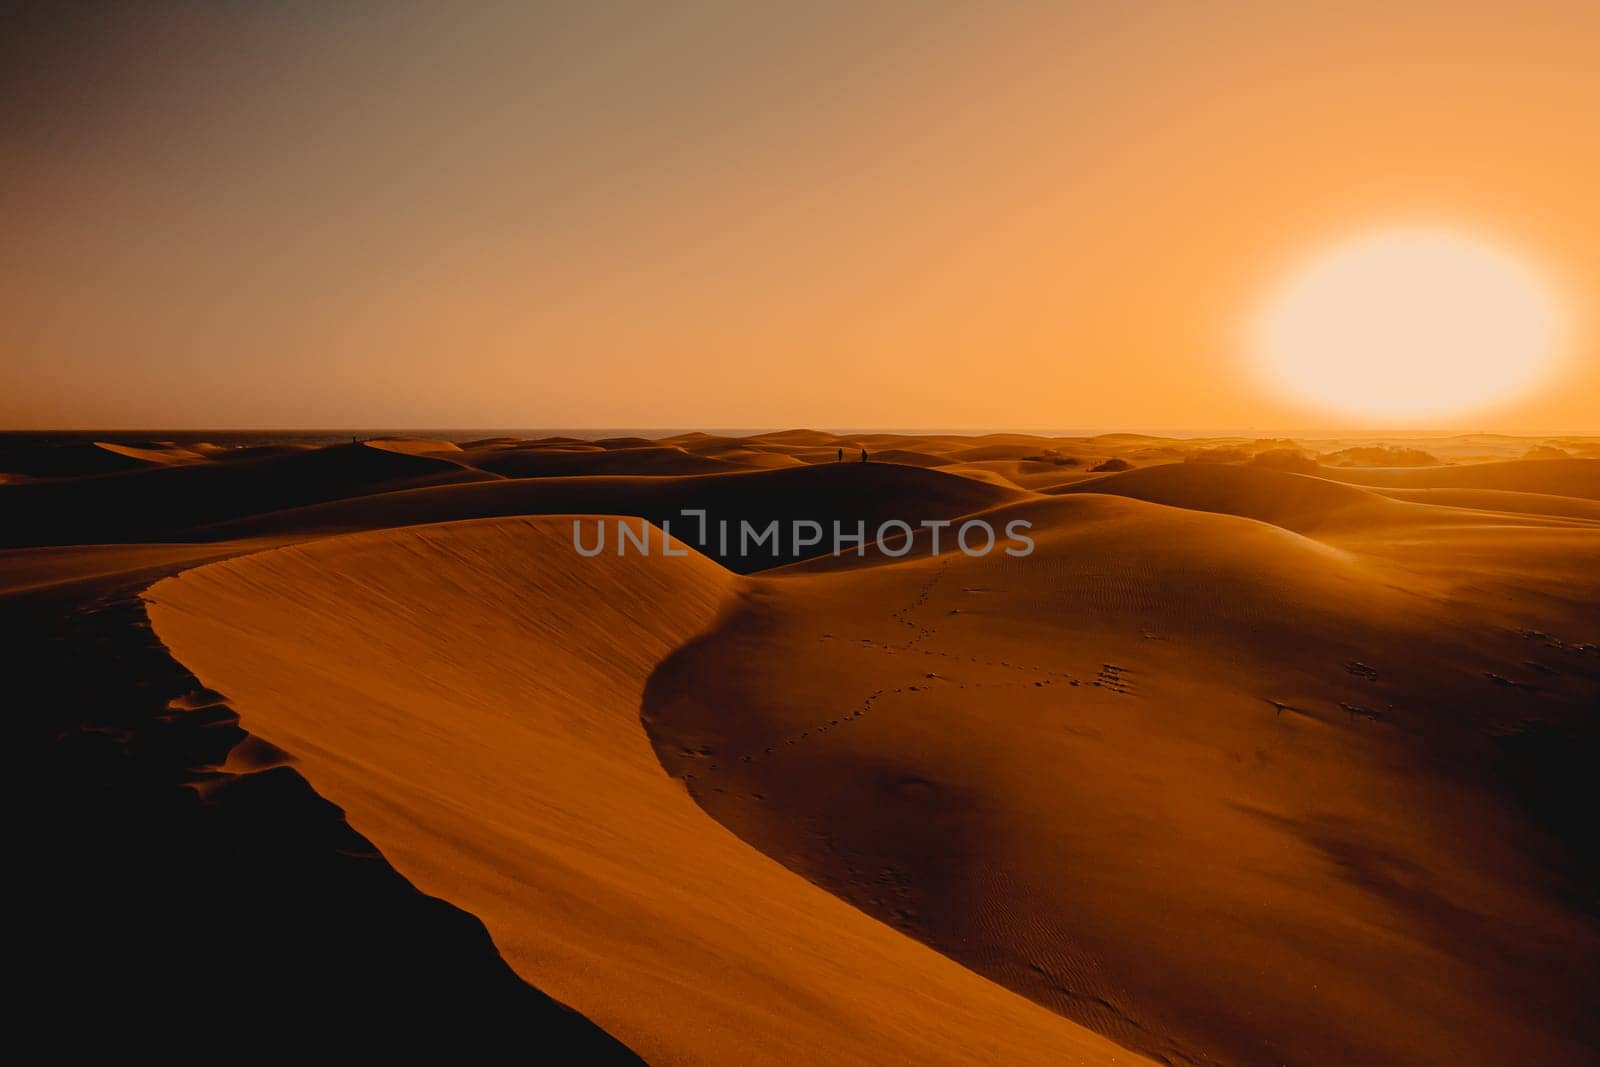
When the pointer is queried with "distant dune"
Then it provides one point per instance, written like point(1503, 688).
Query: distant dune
point(414, 446)
point(1292, 501)
point(66, 461)
point(1503, 500)
point(538, 463)
point(849, 493)
point(1561, 477)
point(168, 501)
point(160, 454)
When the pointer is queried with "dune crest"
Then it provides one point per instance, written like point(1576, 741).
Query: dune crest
point(470, 694)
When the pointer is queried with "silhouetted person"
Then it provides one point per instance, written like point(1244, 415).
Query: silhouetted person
point(863, 455)
point(841, 455)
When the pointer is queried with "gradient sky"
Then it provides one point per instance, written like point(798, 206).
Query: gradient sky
point(865, 214)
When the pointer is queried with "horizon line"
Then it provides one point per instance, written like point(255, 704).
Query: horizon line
point(668, 431)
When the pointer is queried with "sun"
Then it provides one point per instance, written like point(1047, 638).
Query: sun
point(1408, 324)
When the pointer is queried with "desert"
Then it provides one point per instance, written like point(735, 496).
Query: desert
point(720, 532)
point(1235, 763)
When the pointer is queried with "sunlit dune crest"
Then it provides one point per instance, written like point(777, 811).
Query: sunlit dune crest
point(499, 760)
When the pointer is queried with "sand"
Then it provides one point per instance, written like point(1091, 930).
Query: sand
point(1146, 777)
point(470, 695)
point(1242, 765)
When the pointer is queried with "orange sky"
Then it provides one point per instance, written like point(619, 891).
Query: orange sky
point(918, 215)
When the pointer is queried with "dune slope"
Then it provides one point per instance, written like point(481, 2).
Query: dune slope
point(1218, 789)
point(470, 695)
point(180, 899)
point(1293, 501)
point(1503, 500)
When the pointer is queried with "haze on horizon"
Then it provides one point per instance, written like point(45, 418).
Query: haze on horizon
point(891, 215)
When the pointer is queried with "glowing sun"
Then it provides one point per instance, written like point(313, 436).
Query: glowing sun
point(1408, 323)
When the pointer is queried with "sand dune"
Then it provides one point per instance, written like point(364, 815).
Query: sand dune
point(1183, 777)
point(1292, 501)
point(1239, 766)
point(740, 450)
point(499, 761)
point(1561, 477)
point(529, 463)
point(33, 569)
point(176, 901)
point(1315, 505)
point(75, 460)
point(157, 454)
point(847, 492)
point(1035, 475)
point(905, 457)
point(803, 438)
point(1455, 448)
point(414, 446)
point(159, 502)
point(1002, 452)
point(625, 442)
point(747, 457)
point(982, 472)
point(1502, 500)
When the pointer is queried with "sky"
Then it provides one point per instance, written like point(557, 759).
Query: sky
point(672, 215)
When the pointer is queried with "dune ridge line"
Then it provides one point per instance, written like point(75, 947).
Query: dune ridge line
point(470, 694)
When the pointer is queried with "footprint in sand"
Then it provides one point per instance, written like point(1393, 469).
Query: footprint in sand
point(1114, 678)
point(1362, 711)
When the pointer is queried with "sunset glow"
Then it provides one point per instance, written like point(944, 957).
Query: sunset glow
point(1409, 324)
point(1039, 216)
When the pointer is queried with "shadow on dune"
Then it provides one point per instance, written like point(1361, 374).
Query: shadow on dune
point(869, 493)
point(171, 901)
point(167, 502)
point(637, 460)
